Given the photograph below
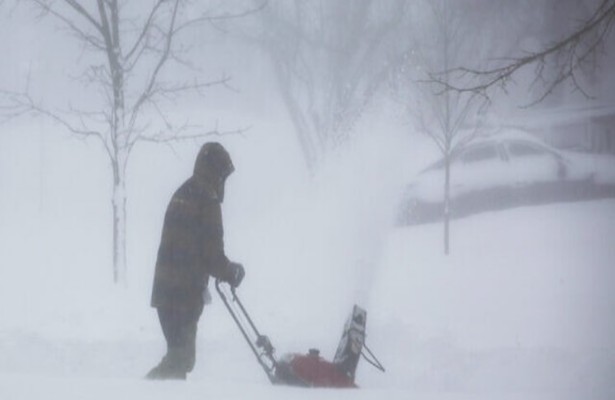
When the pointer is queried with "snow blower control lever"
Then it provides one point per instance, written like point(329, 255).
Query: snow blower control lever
point(307, 370)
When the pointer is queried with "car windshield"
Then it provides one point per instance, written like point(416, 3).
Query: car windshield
point(479, 153)
point(521, 149)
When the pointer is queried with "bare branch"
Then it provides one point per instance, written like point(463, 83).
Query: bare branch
point(568, 55)
point(146, 27)
point(47, 8)
point(22, 104)
point(218, 18)
point(79, 8)
point(162, 60)
point(196, 86)
point(180, 135)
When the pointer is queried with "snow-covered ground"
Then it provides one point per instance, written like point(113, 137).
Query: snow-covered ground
point(521, 309)
point(523, 304)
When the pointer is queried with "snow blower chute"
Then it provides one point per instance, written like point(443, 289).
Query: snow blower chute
point(306, 370)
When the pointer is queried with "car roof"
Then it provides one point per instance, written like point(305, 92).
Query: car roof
point(500, 137)
point(507, 135)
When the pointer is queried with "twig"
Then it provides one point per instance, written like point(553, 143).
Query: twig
point(567, 55)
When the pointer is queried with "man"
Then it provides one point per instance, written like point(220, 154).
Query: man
point(191, 250)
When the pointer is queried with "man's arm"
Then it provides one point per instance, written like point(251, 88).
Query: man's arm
point(214, 258)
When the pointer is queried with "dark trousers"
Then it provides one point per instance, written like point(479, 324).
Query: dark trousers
point(179, 326)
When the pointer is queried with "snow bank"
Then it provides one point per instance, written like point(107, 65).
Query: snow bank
point(523, 303)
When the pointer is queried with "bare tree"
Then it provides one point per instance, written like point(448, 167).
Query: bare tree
point(131, 49)
point(439, 37)
point(328, 57)
point(561, 61)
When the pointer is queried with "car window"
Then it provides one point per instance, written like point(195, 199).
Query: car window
point(437, 165)
point(520, 149)
point(480, 153)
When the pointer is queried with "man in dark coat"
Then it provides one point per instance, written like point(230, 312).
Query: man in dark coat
point(191, 250)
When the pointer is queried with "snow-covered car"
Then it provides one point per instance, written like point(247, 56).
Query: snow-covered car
point(507, 170)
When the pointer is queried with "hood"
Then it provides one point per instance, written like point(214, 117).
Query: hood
point(213, 165)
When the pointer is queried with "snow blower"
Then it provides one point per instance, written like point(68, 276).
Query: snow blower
point(305, 370)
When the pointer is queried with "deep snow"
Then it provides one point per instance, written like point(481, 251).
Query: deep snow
point(521, 309)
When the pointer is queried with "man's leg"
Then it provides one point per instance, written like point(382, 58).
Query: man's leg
point(179, 326)
point(186, 337)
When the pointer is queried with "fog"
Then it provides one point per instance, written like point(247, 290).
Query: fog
point(331, 111)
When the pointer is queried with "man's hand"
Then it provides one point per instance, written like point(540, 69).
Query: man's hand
point(236, 274)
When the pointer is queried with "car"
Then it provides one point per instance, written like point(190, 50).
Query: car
point(510, 169)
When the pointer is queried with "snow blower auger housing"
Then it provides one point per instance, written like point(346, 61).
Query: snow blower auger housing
point(306, 370)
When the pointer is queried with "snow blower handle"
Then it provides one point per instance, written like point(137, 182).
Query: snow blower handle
point(250, 333)
point(262, 341)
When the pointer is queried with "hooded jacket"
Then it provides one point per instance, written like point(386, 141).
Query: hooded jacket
point(192, 246)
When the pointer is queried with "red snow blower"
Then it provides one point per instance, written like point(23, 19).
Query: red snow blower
point(306, 370)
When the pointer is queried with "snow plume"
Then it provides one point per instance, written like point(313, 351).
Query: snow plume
point(355, 197)
point(312, 238)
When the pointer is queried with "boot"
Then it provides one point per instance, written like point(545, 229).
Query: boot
point(169, 367)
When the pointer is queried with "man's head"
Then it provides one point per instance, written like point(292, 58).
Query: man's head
point(213, 165)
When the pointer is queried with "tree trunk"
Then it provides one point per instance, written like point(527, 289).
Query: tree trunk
point(119, 225)
point(449, 139)
point(447, 203)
